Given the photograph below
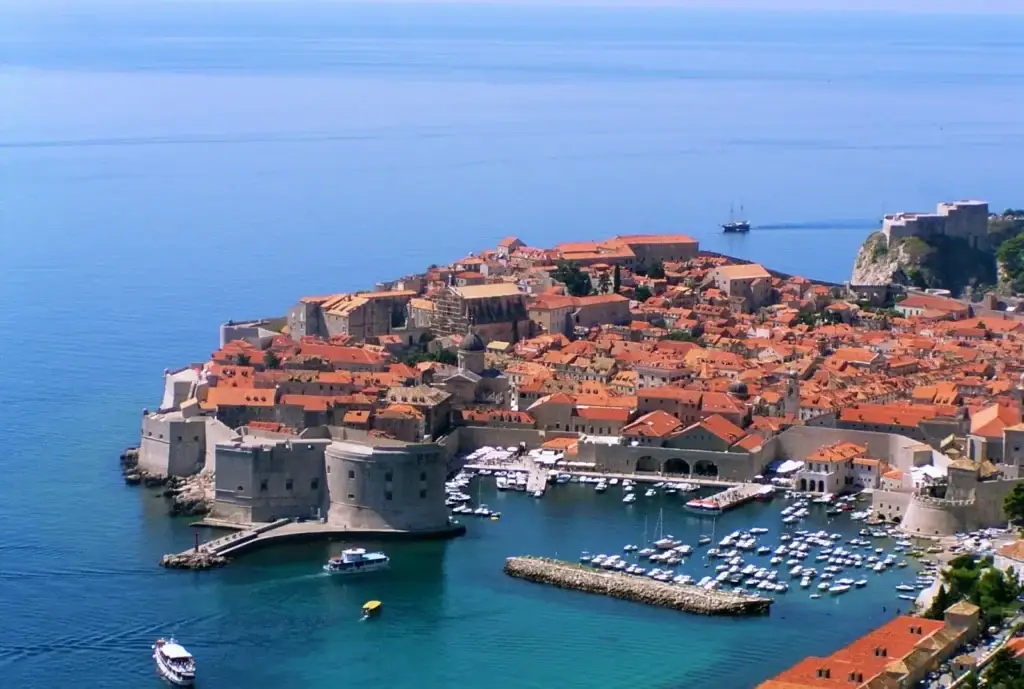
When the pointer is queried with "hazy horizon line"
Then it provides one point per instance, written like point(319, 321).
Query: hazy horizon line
point(913, 7)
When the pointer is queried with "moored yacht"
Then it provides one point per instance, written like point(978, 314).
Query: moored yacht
point(174, 663)
point(355, 560)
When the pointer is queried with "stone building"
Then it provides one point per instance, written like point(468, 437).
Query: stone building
point(260, 480)
point(967, 220)
point(383, 484)
point(378, 484)
point(177, 442)
point(562, 314)
point(898, 654)
point(496, 311)
point(361, 315)
point(748, 285)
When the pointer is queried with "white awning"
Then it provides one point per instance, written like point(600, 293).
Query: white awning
point(789, 466)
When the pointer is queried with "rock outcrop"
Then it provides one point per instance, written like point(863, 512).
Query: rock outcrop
point(190, 496)
point(879, 264)
point(134, 475)
point(936, 262)
point(627, 587)
point(195, 559)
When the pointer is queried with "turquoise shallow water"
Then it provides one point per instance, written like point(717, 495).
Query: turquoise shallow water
point(167, 168)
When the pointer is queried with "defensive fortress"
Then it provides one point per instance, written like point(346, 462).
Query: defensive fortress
point(967, 220)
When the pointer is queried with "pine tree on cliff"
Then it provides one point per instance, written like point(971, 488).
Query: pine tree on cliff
point(941, 601)
point(616, 280)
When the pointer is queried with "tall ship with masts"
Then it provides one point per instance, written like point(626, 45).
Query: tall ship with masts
point(736, 225)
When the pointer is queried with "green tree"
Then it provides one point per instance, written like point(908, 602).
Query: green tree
point(1011, 257)
point(1013, 504)
point(656, 271)
point(682, 336)
point(604, 283)
point(1003, 670)
point(577, 282)
point(271, 359)
point(642, 293)
point(242, 359)
point(616, 279)
point(941, 601)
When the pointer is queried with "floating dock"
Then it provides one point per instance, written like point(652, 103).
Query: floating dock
point(686, 598)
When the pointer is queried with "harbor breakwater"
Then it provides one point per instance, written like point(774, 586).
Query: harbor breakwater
point(693, 599)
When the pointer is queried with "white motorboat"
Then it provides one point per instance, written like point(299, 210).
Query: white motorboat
point(839, 588)
point(357, 560)
point(860, 583)
point(629, 497)
point(174, 663)
point(904, 587)
point(650, 493)
point(601, 487)
point(502, 483)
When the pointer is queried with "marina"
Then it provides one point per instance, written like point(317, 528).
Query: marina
point(750, 560)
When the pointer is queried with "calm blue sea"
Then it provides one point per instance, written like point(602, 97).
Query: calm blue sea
point(166, 166)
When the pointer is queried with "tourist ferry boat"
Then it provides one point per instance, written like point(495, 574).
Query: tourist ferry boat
point(174, 663)
point(357, 560)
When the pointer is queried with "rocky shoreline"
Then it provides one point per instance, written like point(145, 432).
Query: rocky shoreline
point(188, 496)
point(691, 599)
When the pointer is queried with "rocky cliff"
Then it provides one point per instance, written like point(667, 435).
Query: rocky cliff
point(940, 262)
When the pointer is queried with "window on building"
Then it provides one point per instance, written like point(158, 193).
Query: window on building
point(351, 474)
point(423, 495)
point(389, 476)
point(288, 484)
point(263, 486)
point(351, 496)
point(423, 476)
point(196, 438)
point(314, 484)
point(387, 495)
point(179, 438)
point(240, 489)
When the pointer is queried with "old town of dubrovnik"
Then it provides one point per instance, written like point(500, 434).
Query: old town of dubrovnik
point(802, 439)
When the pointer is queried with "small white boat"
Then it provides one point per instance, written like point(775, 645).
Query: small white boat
point(538, 494)
point(355, 561)
point(650, 493)
point(703, 540)
point(860, 583)
point(613, 482)
point(601, 487)
point(815, 595)
point(629, 497)
point(839, 588)
point(174, 663)
point(904, 587)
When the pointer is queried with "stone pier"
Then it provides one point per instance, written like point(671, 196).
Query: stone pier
point(686, 598)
